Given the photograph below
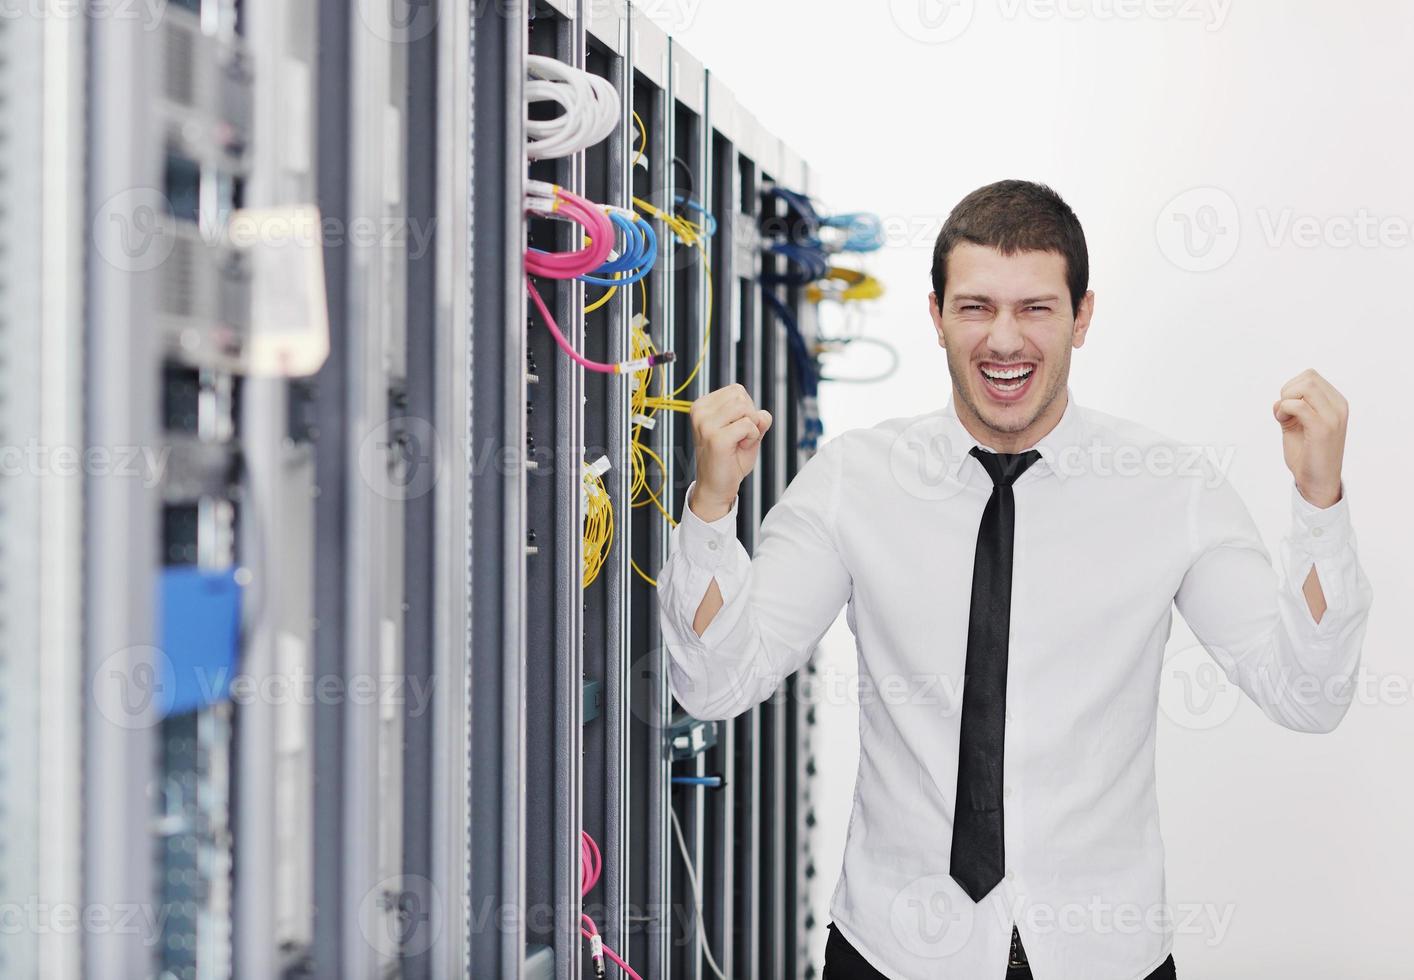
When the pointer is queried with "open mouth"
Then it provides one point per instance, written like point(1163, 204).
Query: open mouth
point(1007, 382)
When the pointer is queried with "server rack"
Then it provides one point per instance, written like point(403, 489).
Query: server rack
point(402, 516)
point(248, 835)
point(600, 717)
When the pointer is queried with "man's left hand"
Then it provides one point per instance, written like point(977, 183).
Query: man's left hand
point(1312, 415)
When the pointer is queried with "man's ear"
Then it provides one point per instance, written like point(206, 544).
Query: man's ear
point(1082, 319)
point(937, 315)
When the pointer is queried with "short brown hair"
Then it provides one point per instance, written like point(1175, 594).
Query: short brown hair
point(1016, 216)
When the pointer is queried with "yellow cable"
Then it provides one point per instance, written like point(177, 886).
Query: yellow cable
point(601, 300)
point(858, 286)
point(642, 574)
point(642, 140)
point(598, 525)
point(693, 236)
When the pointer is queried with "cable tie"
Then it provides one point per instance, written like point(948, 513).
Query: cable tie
point(646, 421)
point(600, 466)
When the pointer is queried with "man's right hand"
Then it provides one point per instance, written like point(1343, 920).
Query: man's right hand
point(727, 429)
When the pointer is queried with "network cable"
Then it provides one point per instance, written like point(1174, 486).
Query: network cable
point(643, 407)
point(553, 201)
point(844, 285)
point(590, 106)
point(806, 368)
point(839, 343)
point(860, 231)
point(630, 265)
point(807, 219)
point(591, 865)
point(804, 264)
point(635, 260)
point(696, 896)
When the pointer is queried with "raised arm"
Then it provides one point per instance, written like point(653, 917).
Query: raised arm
point(1291, 638)
point(735, 626)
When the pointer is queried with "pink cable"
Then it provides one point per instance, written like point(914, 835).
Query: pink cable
point(591, 864)
point(619, 367)
point(567, 265)
point(615, 957)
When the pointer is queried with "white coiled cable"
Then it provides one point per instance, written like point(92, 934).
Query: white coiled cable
point(590, 103)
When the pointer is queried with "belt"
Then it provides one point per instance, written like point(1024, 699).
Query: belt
point(1016, 961)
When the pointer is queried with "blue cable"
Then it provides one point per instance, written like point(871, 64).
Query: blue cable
point(800, 203)
point(810, 263)
point(688, 202)
point(864, 231)
point(805, 365)
point(638, 257)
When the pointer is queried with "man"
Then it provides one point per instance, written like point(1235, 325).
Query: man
point(1036, 549)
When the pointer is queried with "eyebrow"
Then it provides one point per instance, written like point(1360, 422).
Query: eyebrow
point(978, 298)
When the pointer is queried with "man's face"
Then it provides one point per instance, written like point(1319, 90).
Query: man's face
point(1008, 330)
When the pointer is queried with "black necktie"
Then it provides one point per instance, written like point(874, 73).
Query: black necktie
point(977, 860)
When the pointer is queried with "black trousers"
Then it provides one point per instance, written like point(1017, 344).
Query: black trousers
point(844, 962)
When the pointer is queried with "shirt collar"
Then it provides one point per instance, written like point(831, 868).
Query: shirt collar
point(1051, 446)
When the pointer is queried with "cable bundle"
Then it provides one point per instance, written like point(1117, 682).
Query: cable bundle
point(805, 264)
point(806, 368)
point(553, 201)
point(636, 258)
point(793, 237)
point(643, 407)
point(590, 103)
point(598, 519)
point(800, 207)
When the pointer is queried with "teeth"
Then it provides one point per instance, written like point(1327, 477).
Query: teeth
point(1009, 374)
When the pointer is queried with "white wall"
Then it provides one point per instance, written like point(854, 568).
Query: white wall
point(1295, 110)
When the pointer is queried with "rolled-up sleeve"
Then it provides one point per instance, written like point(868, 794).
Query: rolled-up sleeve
point(775, 606)
point(1254, 619)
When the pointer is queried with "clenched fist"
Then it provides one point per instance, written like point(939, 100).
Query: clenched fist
point(1313, 415)
point(727, 429)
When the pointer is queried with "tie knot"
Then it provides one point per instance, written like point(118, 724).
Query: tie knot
point(1005, 468)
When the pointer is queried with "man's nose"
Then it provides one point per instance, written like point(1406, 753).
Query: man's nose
point(1005, 339)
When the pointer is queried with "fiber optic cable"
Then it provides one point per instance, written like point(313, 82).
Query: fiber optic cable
point(598, 520)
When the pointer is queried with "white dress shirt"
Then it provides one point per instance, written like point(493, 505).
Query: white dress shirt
point(1115, 525)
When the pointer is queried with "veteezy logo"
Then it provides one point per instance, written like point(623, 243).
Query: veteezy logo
point(1199, 230)
point(919, 460)
point(931, 917)
point(131, 231)
point(932, 21)
point(133, 687)
point(1211, 13)
point(401, 459)
point(1194, 692)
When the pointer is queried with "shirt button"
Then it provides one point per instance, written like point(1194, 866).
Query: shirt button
point(1316, 532)
point(1010, 875)
point(712, 545)
point(1006, 792)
